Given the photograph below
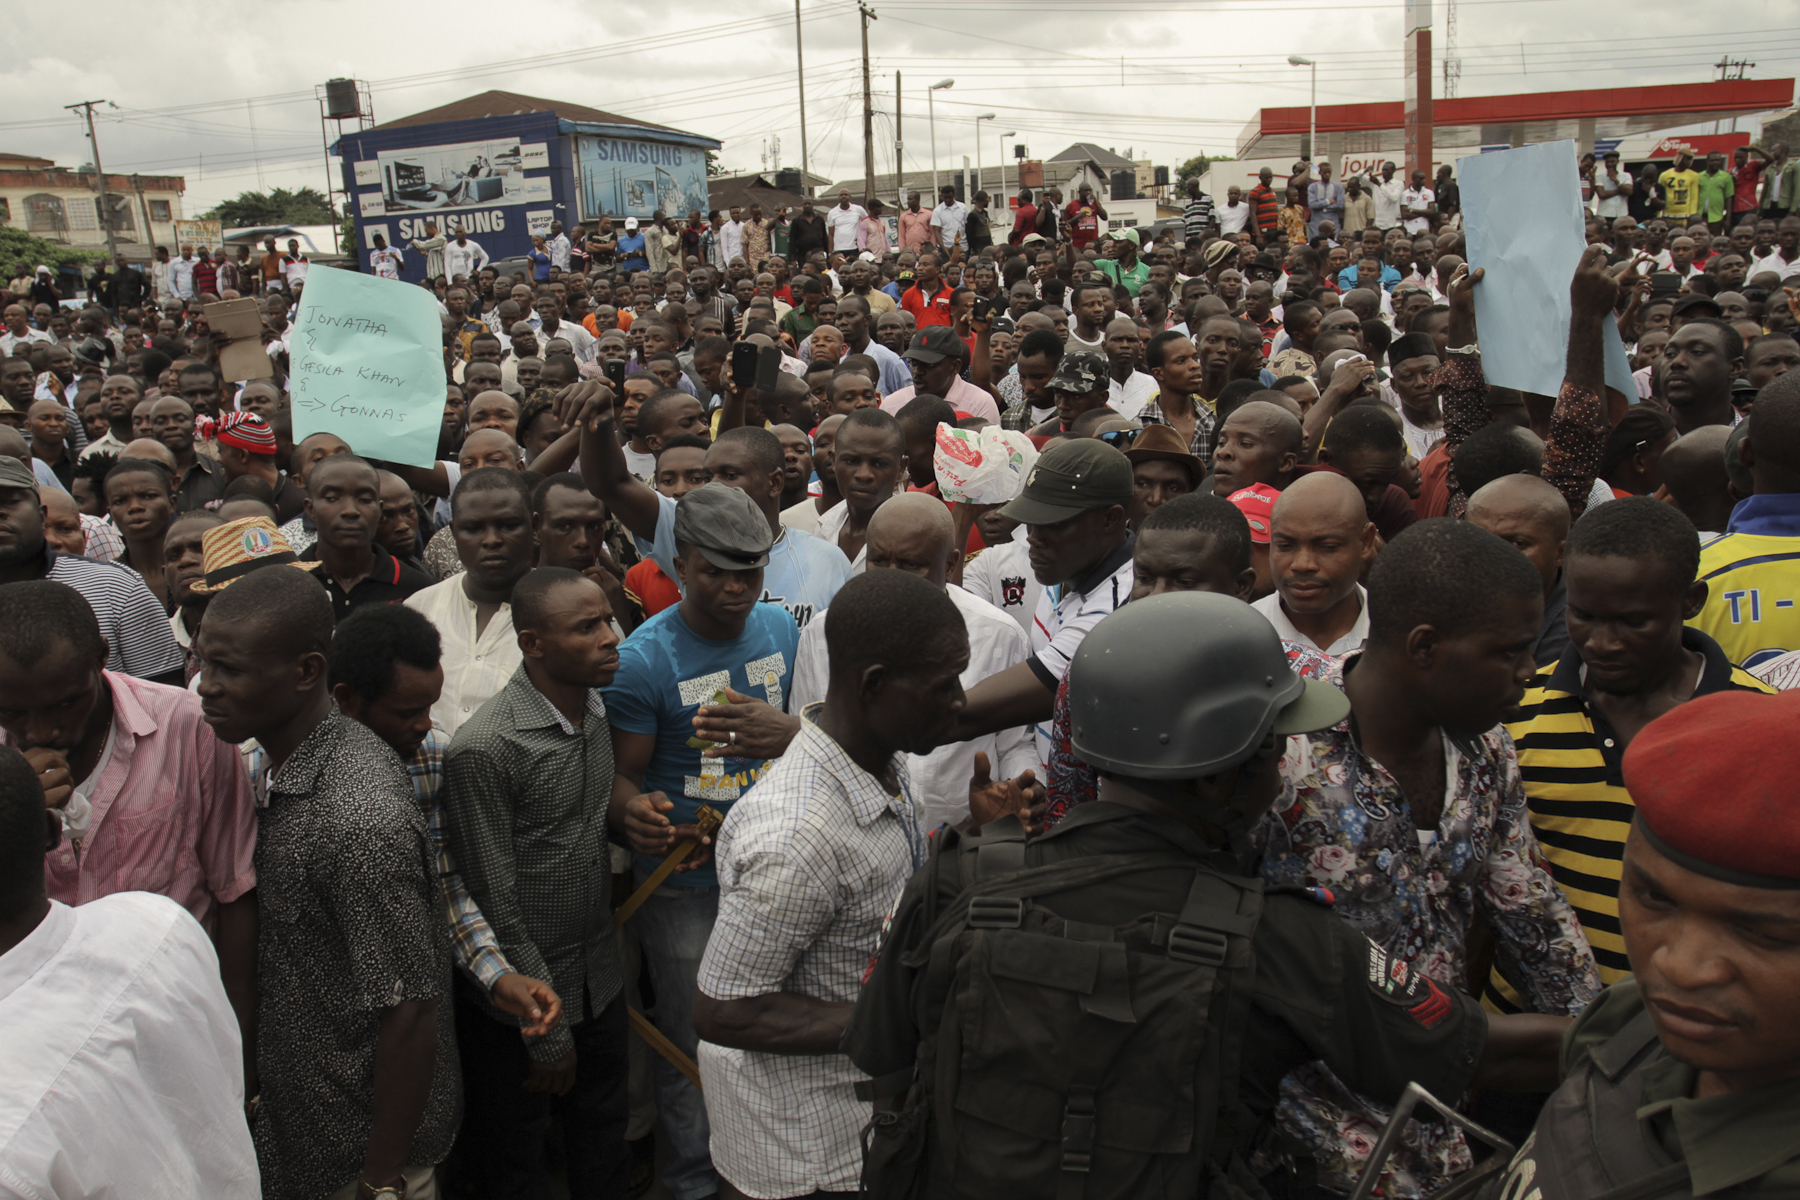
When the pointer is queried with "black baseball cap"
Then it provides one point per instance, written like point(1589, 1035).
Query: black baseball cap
point(1069, 479)
point(725, 525)
point(934, 344)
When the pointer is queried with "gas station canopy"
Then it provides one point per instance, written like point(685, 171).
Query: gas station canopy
point(1607, 113)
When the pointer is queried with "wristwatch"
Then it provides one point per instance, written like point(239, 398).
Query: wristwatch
point(387, 1191)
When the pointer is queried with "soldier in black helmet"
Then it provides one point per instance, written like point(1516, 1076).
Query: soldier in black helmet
point(1108, 1010)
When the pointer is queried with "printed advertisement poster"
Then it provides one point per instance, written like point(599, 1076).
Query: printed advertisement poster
point(368, 173)
point(624, 177)
point(423, 178)
point(198, 234)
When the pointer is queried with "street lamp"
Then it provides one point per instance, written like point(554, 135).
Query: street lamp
point(931, 111)
point(977, 187)
point(1008, 134)
point(1312, 113)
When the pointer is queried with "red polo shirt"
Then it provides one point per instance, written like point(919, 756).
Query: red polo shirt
point(928, 308)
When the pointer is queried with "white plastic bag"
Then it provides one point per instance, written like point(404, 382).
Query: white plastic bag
point(984, 466)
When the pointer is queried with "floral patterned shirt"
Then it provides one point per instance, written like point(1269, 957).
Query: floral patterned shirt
point(1073, 782)
point(1348, 829)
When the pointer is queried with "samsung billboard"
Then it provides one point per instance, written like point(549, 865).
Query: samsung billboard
point(628, 177)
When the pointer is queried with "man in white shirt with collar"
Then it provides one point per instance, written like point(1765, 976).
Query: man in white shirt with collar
point(951, 220)
point(914, 533)
point(119, 1035)
point(1320, 540)
point(558, 245)
point(1386, 194)
point(731, 236)
point(181, 274)
point(1417, 204)
point(18, 329)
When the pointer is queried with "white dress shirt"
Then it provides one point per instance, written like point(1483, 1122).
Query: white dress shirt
point(1270, 607)
point(941, 778)
point(124, 1071)
point(181, 278)
point(731, 240)
point(559, 251)
point(1387, 199)
point(476, 666)
point(1418, 198)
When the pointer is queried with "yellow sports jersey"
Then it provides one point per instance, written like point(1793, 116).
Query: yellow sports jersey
point(1571, 761)
point(1753, 593)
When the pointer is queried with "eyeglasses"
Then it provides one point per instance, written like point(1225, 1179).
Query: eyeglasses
point(1119, 439)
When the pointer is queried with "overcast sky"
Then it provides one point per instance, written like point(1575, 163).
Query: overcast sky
point(223, 94)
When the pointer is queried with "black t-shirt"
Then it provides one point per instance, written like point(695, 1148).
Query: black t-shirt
point(389, 581)
point(1323, 990)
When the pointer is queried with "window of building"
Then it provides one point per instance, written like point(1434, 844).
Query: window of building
point(159, 210)
point(46, 214)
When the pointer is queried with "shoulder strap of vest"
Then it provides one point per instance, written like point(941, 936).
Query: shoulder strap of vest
point(1613, 1057)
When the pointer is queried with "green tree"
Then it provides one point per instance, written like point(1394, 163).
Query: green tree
point(17, 246)
point(279, 206)
point(712, 164)
point(1196, 166)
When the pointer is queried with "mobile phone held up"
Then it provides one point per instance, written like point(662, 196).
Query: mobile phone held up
point(744, 356)
point(985, 308)
point(615, 375)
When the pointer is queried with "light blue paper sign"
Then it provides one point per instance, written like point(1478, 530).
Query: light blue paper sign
point(1525, 226)
point(367, 359)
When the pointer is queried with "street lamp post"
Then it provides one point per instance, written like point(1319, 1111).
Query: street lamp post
point(977, 187)
point(1008, 134)
point(931, 116)
point(1312, 108)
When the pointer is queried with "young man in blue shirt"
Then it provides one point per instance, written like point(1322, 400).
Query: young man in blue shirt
point(718, 642)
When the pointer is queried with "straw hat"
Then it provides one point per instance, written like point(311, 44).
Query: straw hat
point(236, 548)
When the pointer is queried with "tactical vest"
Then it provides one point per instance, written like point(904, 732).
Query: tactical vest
point(1589, 1143)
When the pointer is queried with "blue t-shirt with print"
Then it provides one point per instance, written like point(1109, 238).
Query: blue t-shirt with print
point(666, 672)
point(630, 249)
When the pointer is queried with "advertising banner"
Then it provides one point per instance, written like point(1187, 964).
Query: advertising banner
point(466, 175)
point(626, 177)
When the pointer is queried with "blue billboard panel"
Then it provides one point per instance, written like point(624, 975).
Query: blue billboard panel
point(626, 177)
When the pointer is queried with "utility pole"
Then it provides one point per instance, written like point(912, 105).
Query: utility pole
point(899, 166)
point(800, 72)
point(867, 15)
point(112, 250)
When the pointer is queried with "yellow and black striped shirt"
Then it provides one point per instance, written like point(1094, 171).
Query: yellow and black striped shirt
point(1571, 760)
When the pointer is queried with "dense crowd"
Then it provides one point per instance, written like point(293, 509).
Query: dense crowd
point(951, 702)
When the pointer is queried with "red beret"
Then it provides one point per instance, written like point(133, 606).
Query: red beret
point(1714, 782)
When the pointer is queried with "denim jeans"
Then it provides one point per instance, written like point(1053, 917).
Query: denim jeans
point(672, 929)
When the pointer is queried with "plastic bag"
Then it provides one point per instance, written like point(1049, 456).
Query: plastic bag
point(981, 466)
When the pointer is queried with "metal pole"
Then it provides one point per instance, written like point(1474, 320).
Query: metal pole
point(977, 186)
point(868, 110)
point(800, 73)
point(899, 166)
point(1005, 199)
point(931, 119)
point(112, 249)
point(1312, 116)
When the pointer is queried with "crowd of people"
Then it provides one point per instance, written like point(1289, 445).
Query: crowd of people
point(686, 781)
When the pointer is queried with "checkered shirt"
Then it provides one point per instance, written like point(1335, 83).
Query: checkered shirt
point(811, 861)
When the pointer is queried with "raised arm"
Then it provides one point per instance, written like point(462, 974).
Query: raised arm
point(588, 407)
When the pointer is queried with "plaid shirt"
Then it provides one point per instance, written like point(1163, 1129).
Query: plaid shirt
point(1204, 420)
point(810, 862)
point(477, 950)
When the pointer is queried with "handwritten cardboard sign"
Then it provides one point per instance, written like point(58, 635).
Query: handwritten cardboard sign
point(368, 365)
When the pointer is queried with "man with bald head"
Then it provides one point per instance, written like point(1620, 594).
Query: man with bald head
point(1259, 443)
point(913, 532)
point(1128, 389)
point(151, 449)
point(1531, 514)
point(1695, 481)
point(1320, 539)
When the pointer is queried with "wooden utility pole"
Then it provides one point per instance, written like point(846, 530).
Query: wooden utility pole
point(868, 108)
point(112, 250)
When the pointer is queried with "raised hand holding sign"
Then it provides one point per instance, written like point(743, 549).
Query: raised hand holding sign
point(368, 365)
